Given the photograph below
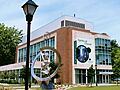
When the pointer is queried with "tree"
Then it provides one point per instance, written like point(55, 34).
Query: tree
point(12, 75)
point(114, 44)
point(116, 65)
point(6, 75)
point(9, 39)
point(23, 73)
point(115, 55)
point(114, 47)
point(91, 74)
point(2, 75)
point(54, 66)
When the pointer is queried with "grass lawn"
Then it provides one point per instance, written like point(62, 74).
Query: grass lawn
point(94, 88)
point(97, 88)
point(114, 87)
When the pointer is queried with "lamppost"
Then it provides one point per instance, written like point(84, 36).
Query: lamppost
point(96, 75)
point(29, 9)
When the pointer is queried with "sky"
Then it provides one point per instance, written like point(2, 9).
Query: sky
point(103, 14)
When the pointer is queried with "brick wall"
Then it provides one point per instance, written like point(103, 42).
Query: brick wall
point(64, 46)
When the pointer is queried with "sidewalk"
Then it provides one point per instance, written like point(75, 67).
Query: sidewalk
point(16, 87)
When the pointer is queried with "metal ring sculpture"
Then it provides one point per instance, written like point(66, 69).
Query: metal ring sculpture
point(40, 54)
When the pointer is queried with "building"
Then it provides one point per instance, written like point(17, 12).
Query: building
point(78, 46)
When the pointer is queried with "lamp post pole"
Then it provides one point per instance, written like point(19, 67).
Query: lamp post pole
point(96, 75)
point(29, 9)
point(27, 58)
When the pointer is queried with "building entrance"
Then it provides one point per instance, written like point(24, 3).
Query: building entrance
point(80, 76)
point(104, 78)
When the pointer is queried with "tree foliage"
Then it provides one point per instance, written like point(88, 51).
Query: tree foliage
point(54, 66)
point(114, 44)
point(9, 39)
point(23, 73)
point(91, 74)
point(115, 55)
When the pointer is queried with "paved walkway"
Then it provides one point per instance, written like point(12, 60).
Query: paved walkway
point(15, 87)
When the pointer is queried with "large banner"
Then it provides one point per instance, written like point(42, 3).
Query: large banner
point(83, 51)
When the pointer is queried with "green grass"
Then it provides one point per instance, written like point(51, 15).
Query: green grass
point(114, 87)
point(97, 88)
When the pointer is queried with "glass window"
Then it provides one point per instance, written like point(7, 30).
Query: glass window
point(24, 54)
point(106, 61)
point(62, 23)
point(42, 44)
point(51, 55)
point(108, 42)
point(74, 24)
point(19, 56)
point(52, 42)
point(38, 47)
point(96, 42)
point(47, 42)
point(77, 76)
point(102, 47)
point(31, 50)
point(102, 42)
point(109, 59)
point(35, 49)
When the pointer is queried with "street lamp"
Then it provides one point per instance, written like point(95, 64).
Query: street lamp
point(96, 74)
point(29, 9)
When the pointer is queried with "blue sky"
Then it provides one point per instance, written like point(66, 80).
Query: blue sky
point(104, 14)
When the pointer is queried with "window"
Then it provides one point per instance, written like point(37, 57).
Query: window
point(74, 24)
point(24, 51)
point(102, 47)
point(62, 23)
point(51, 55)
point(106, 61)
point(47, 42)
point(35, 50)
point(52, 42)
point(42, 44)
point(19, 56)
point(38, 47)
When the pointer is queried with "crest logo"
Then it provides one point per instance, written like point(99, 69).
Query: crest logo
point(82, 53)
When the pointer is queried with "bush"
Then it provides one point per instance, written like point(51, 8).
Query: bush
point(9, 81)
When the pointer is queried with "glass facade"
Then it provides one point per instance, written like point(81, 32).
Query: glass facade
point(103, 51)
point(34, 49)
point(81, 76)
point(103, 78)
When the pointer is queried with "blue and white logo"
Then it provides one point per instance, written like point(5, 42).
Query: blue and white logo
point(83, 53)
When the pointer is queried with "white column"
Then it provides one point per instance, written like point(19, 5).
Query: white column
point(102, 78)
point(73, 76)
point(105, 79)
point(81, 76)
point(86, 77)
point(19, 75)
point(95, 76)
point(108, 79)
